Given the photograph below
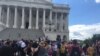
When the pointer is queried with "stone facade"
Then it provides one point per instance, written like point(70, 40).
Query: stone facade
point(36, 14)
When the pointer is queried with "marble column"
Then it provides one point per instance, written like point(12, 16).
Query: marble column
point(44, 17)
point(56, 19)
point(23, 18)
point(8, 12)
point(0, 12)
point(30, 18)
point(37, 18)
point(61, 22)
point(15, 18)
point(51, 16)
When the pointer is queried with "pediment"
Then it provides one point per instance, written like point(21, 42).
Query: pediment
point(43, 1)
point(40, 1)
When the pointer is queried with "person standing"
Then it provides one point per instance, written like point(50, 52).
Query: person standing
point(54, 49)
point(35, 48)
point(90, 51)
point(22, 47)
point(85, 47)
point(98, 48)
point(42, 50)
point(6, 50)
point(28, 49)
point(76, 51)
point(62, 49)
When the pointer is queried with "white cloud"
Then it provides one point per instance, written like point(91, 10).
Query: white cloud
point(84, 31)
point(97, 1)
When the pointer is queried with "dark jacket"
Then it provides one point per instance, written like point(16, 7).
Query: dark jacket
point(6, 51)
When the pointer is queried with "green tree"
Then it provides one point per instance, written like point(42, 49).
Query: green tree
point(96, 37)
point(88, 41)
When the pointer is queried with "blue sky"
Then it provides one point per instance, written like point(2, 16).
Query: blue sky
point(82, 11)
point(84, 18)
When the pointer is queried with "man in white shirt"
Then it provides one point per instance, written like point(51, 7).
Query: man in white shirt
point(22, 45)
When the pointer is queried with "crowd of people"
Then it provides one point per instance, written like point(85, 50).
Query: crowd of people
point(47, 48)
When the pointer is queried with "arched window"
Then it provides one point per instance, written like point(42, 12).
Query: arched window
point(58, 38)
point(64, 38)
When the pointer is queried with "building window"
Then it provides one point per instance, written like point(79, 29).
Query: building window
point(63, 27)
point(49, 29)
point(54, 30)
point(58, 38)
point(64, 38)
point(59, 16)
point(45, 29)
point(65, 16)
point(26, 25)
point(57, 26)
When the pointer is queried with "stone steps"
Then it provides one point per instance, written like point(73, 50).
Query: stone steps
point(15, 34)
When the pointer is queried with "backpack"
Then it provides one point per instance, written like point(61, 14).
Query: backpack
point(62, 49)
point(75, 51)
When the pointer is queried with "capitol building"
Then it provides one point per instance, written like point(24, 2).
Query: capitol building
point(33, 19)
